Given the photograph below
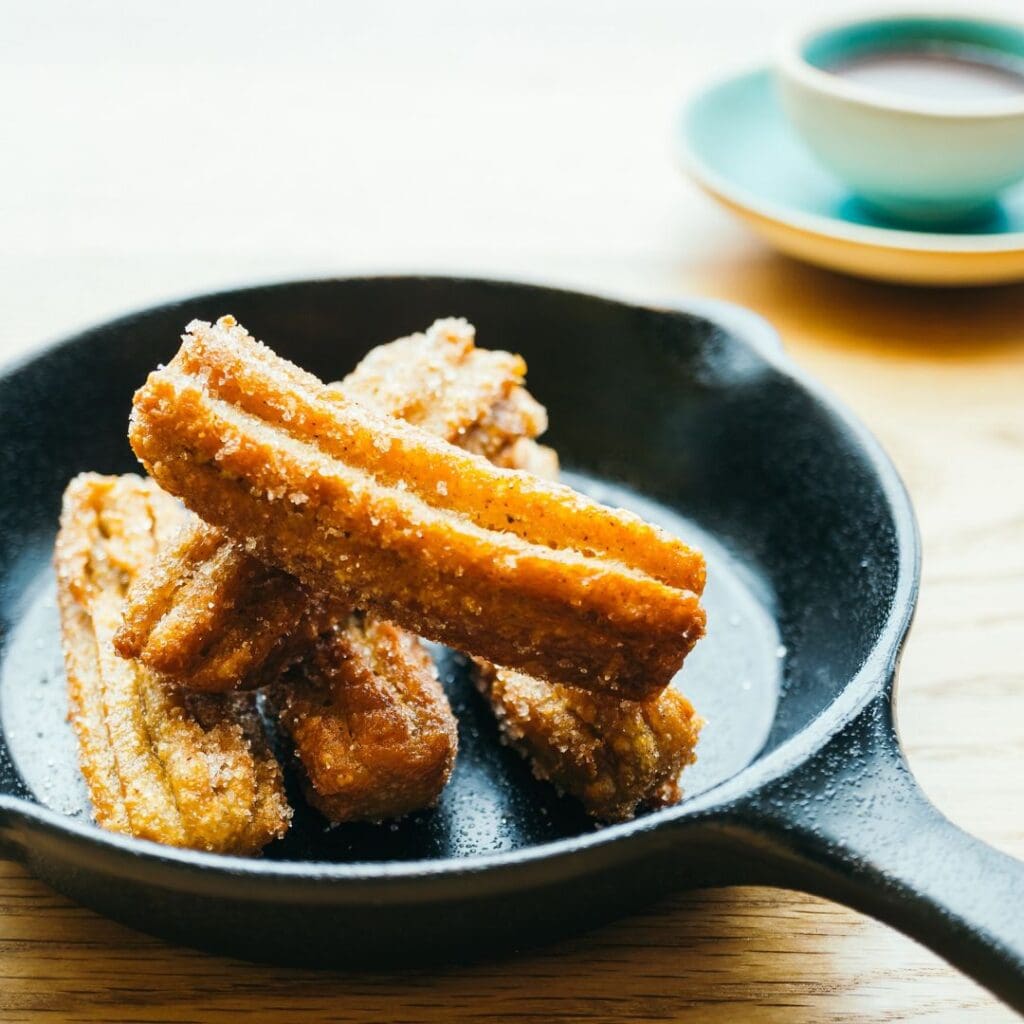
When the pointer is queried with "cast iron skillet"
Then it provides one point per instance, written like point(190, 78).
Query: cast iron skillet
point(813, 559)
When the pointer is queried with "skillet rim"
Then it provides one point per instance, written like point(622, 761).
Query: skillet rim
point(875, 675)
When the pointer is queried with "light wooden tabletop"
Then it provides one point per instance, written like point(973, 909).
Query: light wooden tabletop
point(153, 151)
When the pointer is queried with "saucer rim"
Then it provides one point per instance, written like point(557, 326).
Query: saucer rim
point(823, 226)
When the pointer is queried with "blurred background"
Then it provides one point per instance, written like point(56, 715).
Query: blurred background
point(157, 149)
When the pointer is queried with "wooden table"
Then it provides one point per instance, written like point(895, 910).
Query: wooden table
point(152, 152)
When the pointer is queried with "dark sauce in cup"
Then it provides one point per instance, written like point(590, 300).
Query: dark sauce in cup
point(939, 73)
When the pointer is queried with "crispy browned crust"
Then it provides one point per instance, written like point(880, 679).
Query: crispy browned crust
point(370, 723)
point(215, 618)
point(508, 422)
point(212, 616)
point(612, 755)
point(160, 764)
point(441, 382)
point(495, 562)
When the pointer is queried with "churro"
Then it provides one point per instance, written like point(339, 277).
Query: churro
point(216, 618)
point(440, 381)
point(177, 768)
point(378, 513)
point(371, 725)
point(612, 755)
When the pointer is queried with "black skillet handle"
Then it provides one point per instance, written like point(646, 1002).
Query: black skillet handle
point(853, 825)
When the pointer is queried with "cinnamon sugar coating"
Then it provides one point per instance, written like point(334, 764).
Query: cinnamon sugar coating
point(371, 725)
point(612, 755)
point(161, 764)
point(375, 512)
point(216, 618)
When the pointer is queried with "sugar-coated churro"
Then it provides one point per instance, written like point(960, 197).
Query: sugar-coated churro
point(373, 511)
point(211, 616)
point(440, 381)
point(371, 725)
point(183, 769)
point(612, 755)
point(216, 618)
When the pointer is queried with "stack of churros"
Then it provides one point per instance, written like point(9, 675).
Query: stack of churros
point(319, 532)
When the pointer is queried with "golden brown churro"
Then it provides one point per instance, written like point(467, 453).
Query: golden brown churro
point(211, 616)
point(215, 618)
point(440, 381)
point(187, 770)
point(612, 755)
point(370, 725)
point(495, 562)
point(370, 722)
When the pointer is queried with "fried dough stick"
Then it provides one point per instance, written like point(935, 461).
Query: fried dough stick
point(186, 770)
point(612, 755)
point(370, 722)
point(216, 618)
point(498, 563)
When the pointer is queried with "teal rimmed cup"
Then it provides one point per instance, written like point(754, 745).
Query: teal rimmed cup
point(926, 160)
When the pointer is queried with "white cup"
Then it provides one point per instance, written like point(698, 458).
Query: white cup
point(926, 159)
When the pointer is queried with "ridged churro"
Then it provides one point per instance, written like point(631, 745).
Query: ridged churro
point(177, 768)
point(213, 617)
point(371, 728)
point(216, 618)
point(440, 381)
point(612, 755)
point(371, 725)
point(373, 511)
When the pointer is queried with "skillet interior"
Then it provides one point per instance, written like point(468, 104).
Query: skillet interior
point(738, 457)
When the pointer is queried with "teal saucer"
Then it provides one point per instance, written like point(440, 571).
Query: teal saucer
point(735, 141)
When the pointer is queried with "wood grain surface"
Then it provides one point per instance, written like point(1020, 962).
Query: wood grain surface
point(153, 151)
